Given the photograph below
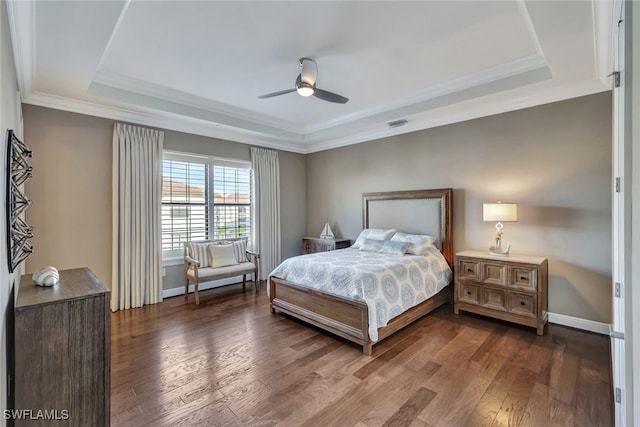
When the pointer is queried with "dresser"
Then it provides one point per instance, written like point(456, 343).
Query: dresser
point(62, 350)
point(511, 288)
point(315, 244)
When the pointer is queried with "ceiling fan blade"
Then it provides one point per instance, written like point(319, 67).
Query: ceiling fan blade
point(309, 72)
point(282, 92)
point(330, 96)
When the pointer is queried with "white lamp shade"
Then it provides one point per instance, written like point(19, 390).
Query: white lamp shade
point(500, 212)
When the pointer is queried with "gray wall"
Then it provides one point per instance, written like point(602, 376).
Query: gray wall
point(9, 119)
point(553, 160)
point(71, 189)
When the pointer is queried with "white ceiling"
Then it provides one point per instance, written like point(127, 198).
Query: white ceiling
point(200, 66)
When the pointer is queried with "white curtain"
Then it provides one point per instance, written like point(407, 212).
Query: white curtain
point(266, 212)
point(137, 249)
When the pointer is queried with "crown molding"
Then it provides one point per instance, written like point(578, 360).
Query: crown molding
point(21, 16)
point(179, 123)
point(605, 23)
point(550, 95)
point(415, 103)
point(161, 120)
point(219, 120)
point(161, 93)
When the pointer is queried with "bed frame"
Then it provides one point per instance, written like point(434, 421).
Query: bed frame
point(417, 212)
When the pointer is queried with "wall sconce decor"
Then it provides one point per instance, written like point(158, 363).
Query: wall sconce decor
point(18, 231)
point(500, 212)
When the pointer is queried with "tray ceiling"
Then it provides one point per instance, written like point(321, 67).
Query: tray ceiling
point(200, 66)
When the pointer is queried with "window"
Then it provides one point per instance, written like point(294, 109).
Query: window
point(203, 198)
point(231, 202)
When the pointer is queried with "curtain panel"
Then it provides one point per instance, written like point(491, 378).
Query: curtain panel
point(137, 192)
point(266, 217)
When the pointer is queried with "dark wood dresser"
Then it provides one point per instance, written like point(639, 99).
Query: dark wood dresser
point(315, 244)
point(62, 351)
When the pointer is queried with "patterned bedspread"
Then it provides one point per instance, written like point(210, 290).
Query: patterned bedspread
point(389, 284)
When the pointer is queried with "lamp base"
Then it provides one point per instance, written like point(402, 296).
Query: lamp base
point(498, 251)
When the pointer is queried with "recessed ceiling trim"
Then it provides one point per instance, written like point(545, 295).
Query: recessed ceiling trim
point(604, 30)
point(162, 120)
point(500, 72)
point(530, 27)
point(214, 118)
point(486, 109)
point(447, 98)
point(199, 127)
point(125, 83)
point(22, 27)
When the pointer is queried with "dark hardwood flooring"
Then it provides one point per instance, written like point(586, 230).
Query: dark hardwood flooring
point(230, 362)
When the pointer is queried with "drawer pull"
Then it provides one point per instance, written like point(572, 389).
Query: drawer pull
point(521, 302)
point(523, 278)
point(468, 292)
point(469, 270)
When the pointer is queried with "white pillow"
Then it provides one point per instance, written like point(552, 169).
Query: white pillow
point(199, 252)
point(222, 255)
point(419, 244)
point(373, 234)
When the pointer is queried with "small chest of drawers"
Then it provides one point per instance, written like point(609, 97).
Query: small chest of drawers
point(511, 288)
point(315, 244)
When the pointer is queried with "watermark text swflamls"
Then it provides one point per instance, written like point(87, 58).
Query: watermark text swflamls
point(36, 414)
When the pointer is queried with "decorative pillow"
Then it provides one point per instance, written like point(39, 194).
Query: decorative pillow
point(222, 255)
point(418, 244)
point(384, 246)
point(373, 233)
point(240, 250)
point(199, 252)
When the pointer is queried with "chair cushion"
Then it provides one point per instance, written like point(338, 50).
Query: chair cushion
point(222, 255)
point(222, 272)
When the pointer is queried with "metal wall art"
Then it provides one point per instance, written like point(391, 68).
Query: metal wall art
point(18, 231)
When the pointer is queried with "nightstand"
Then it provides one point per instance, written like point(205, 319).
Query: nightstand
point(511, 288)
point(315, 244)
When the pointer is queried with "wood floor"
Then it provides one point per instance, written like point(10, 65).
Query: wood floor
point(230, 362)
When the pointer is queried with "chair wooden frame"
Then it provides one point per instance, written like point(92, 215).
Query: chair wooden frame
point(191, 264)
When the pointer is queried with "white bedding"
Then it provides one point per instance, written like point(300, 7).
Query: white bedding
point(389, 284)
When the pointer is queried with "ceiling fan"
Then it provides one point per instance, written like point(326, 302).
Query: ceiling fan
point(306, 84)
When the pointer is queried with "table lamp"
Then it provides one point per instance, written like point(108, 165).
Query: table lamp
point(500, 212)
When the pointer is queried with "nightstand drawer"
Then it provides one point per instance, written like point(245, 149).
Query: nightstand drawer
point(323, 247)
point(468, 269)
point(522, 277)
point(494, 298)
point(494, 274)
point(468, 293)
point(522, 304)
point(307, 247)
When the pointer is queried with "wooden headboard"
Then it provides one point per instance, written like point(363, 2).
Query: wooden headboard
point(415, 212)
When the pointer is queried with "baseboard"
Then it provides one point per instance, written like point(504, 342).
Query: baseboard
point(179, 290)
point(579, 323)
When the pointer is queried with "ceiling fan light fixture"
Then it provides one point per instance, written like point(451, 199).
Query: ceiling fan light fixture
point(304, 89)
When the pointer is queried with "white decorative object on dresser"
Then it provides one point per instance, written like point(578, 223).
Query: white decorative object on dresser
point(511, 288)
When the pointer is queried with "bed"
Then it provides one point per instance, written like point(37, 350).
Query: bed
point(425, 212)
